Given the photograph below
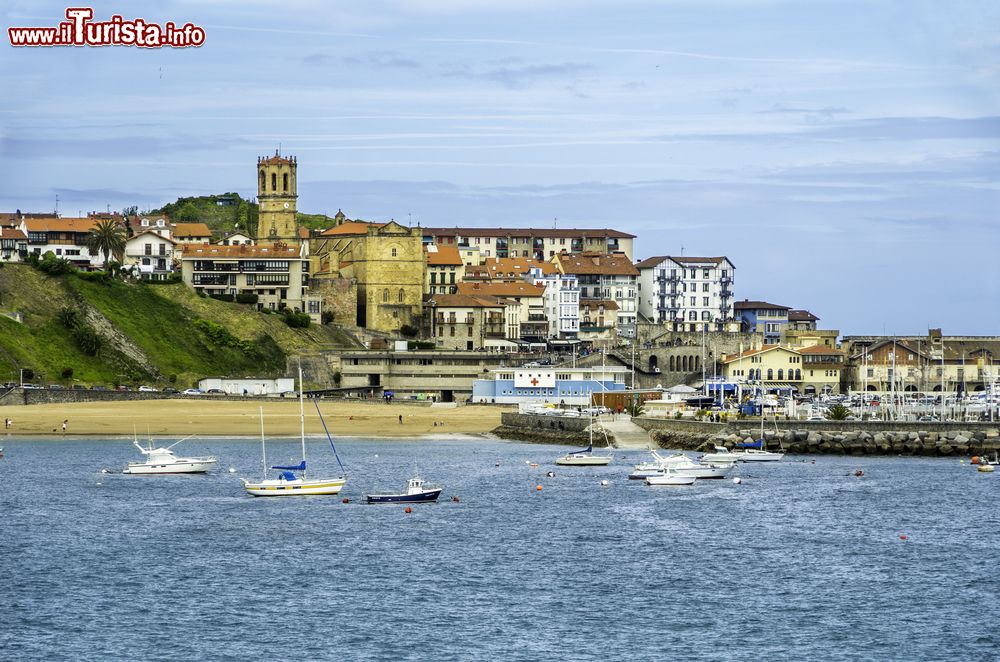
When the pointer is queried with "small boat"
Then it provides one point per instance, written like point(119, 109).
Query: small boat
point(679, 464)
point(585, 457)
point(292, 480)
point(985, 468)
point(721, 455)
point(164, 461)
point(753, 451)
point(670, 478)
point(417, 491)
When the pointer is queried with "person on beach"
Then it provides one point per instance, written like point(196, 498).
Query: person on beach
point(6, 423)
point(65, 423)
point(400, 419)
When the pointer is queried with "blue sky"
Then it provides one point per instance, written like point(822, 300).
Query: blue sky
point(844, 155)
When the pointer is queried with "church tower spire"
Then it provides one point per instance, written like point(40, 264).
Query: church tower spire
point(277, 194)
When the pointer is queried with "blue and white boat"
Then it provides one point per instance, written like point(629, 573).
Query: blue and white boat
point(416, 492)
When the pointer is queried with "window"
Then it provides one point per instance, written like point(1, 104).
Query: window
point(780, 374)
point(694, 301)
point(770, 374)
point(452, 330)
point(284, 182)
point(274, 181)
point(148, 248)
point(704, 273)
point(704, 287)
point(385, 296)
point(704, 301)
point(401, 295)
point(394, 252)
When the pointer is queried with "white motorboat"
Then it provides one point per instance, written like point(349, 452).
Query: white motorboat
point(164, 461)
point(679, 464)
point(292, 480)
point(670, 478)
point(586, 457)
point(721, 455)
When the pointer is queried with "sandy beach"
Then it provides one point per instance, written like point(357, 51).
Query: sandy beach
point(224, 417)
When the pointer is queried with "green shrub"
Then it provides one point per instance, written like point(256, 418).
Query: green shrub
point(408, 331)
point(69, 318)
point(87, 339)
point(222, 297)
point(67, 373)
point(327, 317)
point(420, 344)
point(247, 297)
point(298, 320)
point(337, 378)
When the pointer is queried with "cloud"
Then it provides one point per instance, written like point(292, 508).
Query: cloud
point(825, 111)
point(519, 77)
point(28, 148)
point(372, 59)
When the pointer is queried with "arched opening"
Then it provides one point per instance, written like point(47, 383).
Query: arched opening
point(937, 388)
point(385, 296)
point(284, 182)
point(781, 374)
point(653, 363)
point(401, 295)
point(810, 390)
point(684, 364)
point(770, 374)
point(274, 181)
point(871, 387)
point(910, 388)
point(979, 387)
point(672, 368)
point(263, 182)
point(697, 363)
point(798, 374)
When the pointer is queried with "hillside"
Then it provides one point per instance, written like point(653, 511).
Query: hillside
point(113, 332)
point(227, 212)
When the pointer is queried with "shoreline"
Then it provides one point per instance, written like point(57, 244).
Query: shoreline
point(175, 417)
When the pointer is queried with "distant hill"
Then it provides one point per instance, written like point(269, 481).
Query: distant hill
point(111, 332)
point(227, 213)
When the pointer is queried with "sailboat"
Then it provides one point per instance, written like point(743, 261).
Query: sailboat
point(754, 451)
point(292, 479)
point(585, 457)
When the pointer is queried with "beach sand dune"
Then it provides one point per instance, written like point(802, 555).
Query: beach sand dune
point(205, 416)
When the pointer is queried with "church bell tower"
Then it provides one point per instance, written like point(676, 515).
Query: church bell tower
point(277, 193)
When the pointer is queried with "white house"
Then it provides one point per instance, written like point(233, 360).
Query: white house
point(248, 386)
point(151, 253)
point(562, 303)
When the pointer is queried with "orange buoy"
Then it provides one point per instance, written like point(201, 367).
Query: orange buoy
point(903, 536)
point(974, 460)
point(538, 488)
point(345, 500)
point(408, 510)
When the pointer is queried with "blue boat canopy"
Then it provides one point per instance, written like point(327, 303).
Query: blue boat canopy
point(288, 475)
point(588, 449)
point(301, 466)
point(751, 444)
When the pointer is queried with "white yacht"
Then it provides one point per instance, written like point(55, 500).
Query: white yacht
point(721, 455)
point(164, 461)
point(679, 464)
point(670, 478)
point(585, 457)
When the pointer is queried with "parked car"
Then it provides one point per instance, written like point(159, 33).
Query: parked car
point(928, 419)
point(57, 387)
point(215, 391)
point(98, 387)
point(79, 387)
point(170, 389)
point(26, 385)
point(148, 389)
point(193, 391)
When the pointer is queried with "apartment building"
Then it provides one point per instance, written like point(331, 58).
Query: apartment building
point(531, 323)
point(471, 323)
point(604, 276)
point(562, 303)
point(687, 293)
point(150, 255)
point(535, 243)
point(445, 269)
point(762, 317)
point(65, 237)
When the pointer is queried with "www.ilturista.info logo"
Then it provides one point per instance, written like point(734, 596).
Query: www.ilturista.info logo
point(80, 30)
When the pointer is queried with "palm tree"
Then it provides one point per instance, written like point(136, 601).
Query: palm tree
point(837, 412)
point(107, 238)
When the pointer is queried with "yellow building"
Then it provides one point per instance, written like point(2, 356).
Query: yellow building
point(277, 195)
point(445, 269)
point(386, 261)
point(814, 369)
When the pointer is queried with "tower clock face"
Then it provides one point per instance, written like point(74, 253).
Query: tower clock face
point(286, 205)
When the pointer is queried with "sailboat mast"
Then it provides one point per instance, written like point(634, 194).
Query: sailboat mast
point(302, 422)
point(263, 448)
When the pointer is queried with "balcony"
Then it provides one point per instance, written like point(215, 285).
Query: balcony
point(537, 318)
point(726, 293)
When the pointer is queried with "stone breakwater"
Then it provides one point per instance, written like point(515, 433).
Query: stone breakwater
point(542, 429)
point(848, 442)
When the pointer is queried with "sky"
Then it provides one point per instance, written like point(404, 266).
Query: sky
point(844, 155)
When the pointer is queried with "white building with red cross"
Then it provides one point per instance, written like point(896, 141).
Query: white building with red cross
point(565, 386)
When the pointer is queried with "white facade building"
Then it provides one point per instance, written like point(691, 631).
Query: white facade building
point(151, 254)
point(562, 303)
point(687, 293)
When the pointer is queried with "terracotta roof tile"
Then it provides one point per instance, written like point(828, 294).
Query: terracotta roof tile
point(190, 230)
point(444, 256)
point(746, 304)
point(511, 289)
point(81, 225)
point(596, 263)
point(587, 233)
point(510, 267)
point(212, 251)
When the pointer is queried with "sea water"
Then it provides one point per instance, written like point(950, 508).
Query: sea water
point(802, 560)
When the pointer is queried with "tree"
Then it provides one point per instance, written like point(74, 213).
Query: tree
point(837, 413)
point(106, 238)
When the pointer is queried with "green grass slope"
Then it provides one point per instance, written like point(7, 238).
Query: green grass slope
point(148, 333)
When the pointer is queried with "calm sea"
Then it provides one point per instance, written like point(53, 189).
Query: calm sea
point(802, 561)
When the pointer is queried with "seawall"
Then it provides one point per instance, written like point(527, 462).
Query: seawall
point(833, 437)
point(543, 429)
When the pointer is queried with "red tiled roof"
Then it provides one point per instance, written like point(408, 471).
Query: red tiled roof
point(596, 263)
point(746, 304)
point(801, 316)
point(81, 225)
point(463, 301)
point(152, 232)
point(594, 304)
point(349, 228)
point(512, 267)
point(512, 289)
point(443, 256)
point(589, 233)
point(12, 233)
point(190, 230)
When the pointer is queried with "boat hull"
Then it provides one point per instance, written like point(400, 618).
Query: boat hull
point(759, 456)
point(584, 460)
point(670, 481)
point(181, 467)
point(428, 496)
point(282, 488)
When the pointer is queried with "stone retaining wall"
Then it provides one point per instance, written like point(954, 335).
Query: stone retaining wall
point(831, 437)
point(542, 429)
point(36, 396)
